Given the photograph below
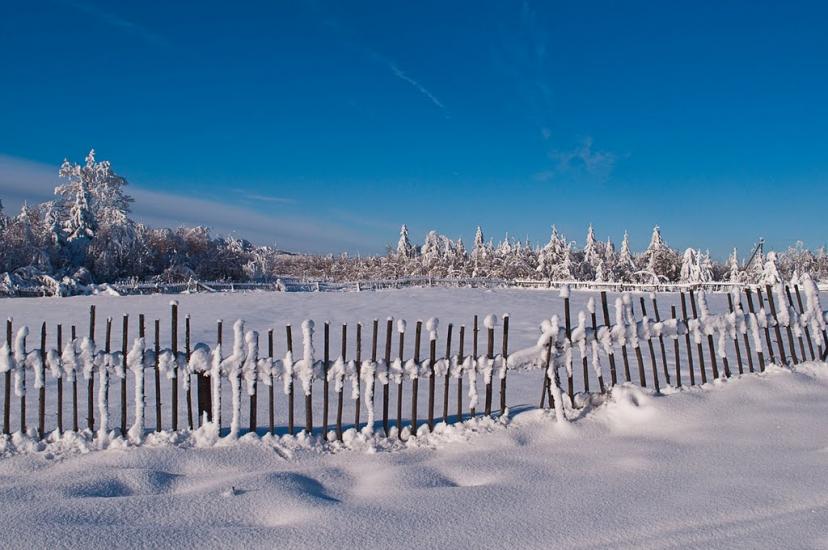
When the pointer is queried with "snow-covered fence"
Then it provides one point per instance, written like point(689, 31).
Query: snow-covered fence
point(241, 371)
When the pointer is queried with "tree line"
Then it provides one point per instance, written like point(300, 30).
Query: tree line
point(86, 235)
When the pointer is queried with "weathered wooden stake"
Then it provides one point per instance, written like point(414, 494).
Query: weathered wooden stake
point(357, 375)
point(187, 352)
point(124, 353)
point(174, 379)
point(676, 348)
point(339, 393)
point(504, 358)
point(8, 383)
point(75, 426)
point(687, 340)
point(271, 392)
point(735, 337)
point(157, 375)
point(401, 355)
point(801, 340)
point(490, 357)
point(779, 344)
point(41, 398)
point(605, 311)
point(289, 337)
point(460, 359)
point(432, 359)
point(806, 329)
point(475, 330)
point(570, 382)
point(416, 381)
point(759, 351)
point(389, 327)
point(699, 347)
point(374, 337)
point(23, 427)
point(771, 355)
point(651, 349)
point(326, 357)
point(661, 343)
point(595, 335)
point(90, 385)
point(60, 381)
point(446, 378)
point(253, 423)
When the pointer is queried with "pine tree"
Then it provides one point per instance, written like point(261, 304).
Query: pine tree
point(625, 266)
point(770, 271)
point(734, 272)
point(404, 249)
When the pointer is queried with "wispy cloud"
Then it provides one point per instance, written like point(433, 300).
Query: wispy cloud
point(582, 160)
point(399, 73)
point(260, 197)
point(117, 21)
point(24, 180)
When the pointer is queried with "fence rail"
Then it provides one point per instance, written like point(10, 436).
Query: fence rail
point(248, 364)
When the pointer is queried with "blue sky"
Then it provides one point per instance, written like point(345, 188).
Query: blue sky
point(323, 126)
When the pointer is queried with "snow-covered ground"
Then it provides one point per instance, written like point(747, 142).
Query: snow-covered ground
point(738, 463)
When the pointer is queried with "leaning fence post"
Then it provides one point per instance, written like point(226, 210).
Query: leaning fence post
point(783, 305)
point(699, 347)
point(157, 373)
point(771, 355)
point(661, 341)
point(676, 347)
point(124, 353)
point(807, 330)
point(758, 342)
point(799, 336)
point(41, 399)
point(505, 355)
point(90, 385)
point(687, 339)
point(610, 354)
point(735, 337)
point(570, 383)
point(595, 350)
point(645, 319)
point(779, 344)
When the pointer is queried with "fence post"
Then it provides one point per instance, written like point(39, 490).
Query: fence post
point(187, 352)
point(142, 397)
point(460, 360)
point(771, 355)
point(505, 356)
point(374, 337)
point(699, 347)
point(75, 426)
point(124, 353)
point(7, 379)
point(157, 375)
point(432, 358)
point(271, 393)
point(174, 379)
point(90, 385)
point(289, 337)
point(415, 382)
point(326, 334)
point(570, 383)
point(801, 341)
point(759, 351)
point(489, 321)
point(619, 317)
point(676, 347)
point(807, 330)
point(41, 399)
point(446, 378)
point(253, 400)
point(339, 392)
point(595, 337)
point(779, 343)
point(358, 376)
point(475, 330)
point(687, 339)
point(389, 327)
point(735, 336)
point(215, 379)
point(401, 331)
point(204, 397)
point(611, 354)
point(60, 381)
point(661, 341)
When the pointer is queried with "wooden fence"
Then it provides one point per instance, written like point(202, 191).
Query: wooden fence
point(798, 335)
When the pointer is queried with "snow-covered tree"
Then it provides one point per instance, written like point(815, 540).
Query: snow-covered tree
point(404, 248)
point(734, 271)
point(625, 266)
